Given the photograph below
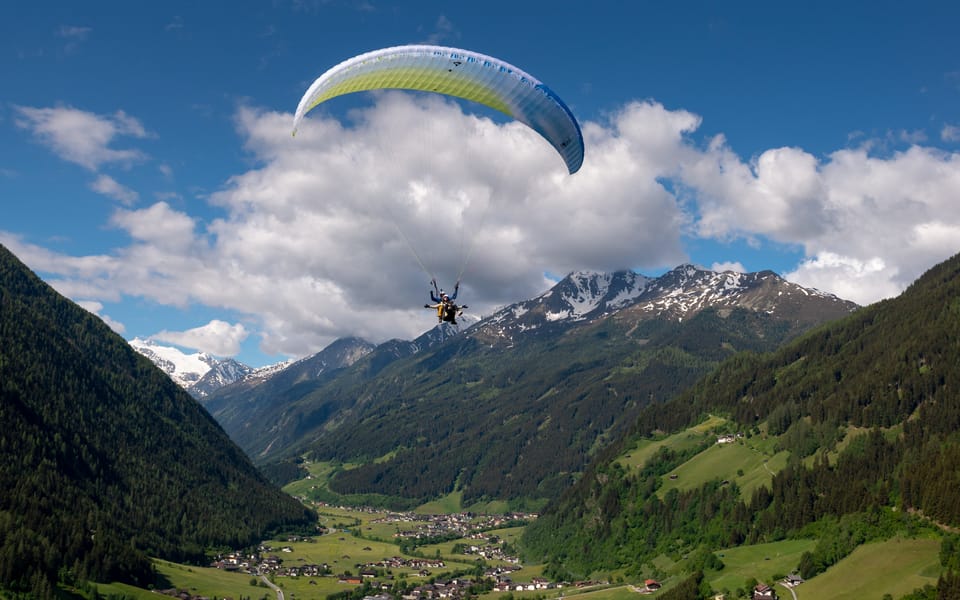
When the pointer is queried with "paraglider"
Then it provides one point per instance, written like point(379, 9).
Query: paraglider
point(459, 73)
point(462, 74)
point(447, 309)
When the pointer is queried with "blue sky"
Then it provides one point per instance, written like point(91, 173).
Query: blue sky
point(147, 169)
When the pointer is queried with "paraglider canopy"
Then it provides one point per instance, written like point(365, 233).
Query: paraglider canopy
point(460, 73)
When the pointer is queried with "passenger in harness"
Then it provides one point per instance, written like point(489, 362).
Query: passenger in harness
point(447, 310)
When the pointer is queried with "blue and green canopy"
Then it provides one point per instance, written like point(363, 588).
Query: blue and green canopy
point(460, 73)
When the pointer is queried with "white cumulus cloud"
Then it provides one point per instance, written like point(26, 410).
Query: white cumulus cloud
point(338, 231)
point(82, 137)
point(722, 267)
point(110, 187)
point(216, 337)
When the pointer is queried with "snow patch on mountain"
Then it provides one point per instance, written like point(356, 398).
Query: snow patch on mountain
point(687, 289)
point(185, 369)
point(588, 290)
point(199, 373)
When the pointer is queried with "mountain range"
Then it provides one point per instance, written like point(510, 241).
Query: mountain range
point(513, 406)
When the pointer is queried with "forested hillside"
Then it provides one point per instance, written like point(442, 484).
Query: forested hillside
point(104, 461)
point(514, 407)
point(521, 423)
point(868, 408)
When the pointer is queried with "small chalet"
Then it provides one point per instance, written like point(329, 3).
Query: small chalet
point(764, 592)
point(651, 585)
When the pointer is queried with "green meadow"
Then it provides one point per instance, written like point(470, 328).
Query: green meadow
point(760, 561)
point(895, 567)
point(200, 581)
point(646, 449)
point(736, 461)
point(458, 560)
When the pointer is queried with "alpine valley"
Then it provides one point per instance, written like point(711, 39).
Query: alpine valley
point(713, 432)
point(513, 407)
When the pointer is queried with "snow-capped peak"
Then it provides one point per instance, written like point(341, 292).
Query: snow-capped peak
point(185, 369)
point(579, 296)
point(677, 294)
point(199, 373)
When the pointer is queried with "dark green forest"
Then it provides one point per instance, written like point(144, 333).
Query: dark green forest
point(104, 461)
point(520, 423)
point(892, 370)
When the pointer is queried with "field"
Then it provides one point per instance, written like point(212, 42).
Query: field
point(894, 567)
point(738, 461)
point(750, 462)
point(319, 473)
point(690, 438)
point(509, 534)
point(760, 562)
point(197, 580)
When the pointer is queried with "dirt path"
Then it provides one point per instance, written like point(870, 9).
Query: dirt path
point(272, 587)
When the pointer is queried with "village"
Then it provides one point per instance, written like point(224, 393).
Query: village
point(379, 574)
point(459, 524)
point(421, 578)
point(395, 572)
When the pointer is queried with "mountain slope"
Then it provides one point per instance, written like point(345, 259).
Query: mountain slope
point(250, 402)
point(514, 406)
point(104, 461)
point(868, 408)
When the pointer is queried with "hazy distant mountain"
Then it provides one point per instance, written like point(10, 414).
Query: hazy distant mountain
point(514, 405)
point(104, 461)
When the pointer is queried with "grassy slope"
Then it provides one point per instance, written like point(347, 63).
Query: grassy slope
point(754, 457)
point(895, 567)
point(196, 580)
point(760, 562)
point(647, 449)
point(725, 462)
